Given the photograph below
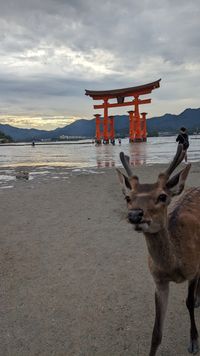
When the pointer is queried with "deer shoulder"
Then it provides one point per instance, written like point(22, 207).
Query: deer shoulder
point(184, 229)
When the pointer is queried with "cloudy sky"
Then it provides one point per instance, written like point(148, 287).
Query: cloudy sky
point(51, 50)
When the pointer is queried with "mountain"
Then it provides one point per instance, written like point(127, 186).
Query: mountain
point(169, 123)
point(77, 128)
point(19, 134)
point(189, 118)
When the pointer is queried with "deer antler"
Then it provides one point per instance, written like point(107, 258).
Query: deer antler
point(180, 153)
point(125, 161)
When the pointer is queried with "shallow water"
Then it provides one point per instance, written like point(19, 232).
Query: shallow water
point(155, 150)
point(45, 159)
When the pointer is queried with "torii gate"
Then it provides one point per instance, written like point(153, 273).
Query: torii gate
point(137, 127)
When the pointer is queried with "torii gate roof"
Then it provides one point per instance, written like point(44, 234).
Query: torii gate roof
point(124, 91)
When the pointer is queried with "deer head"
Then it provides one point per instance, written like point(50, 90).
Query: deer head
point(147, 203)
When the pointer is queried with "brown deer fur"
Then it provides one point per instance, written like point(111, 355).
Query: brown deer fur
point(173, 239)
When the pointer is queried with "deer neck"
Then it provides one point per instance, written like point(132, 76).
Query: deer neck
point(161, 250)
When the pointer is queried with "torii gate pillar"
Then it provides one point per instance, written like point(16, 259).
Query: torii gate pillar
point(112, 130)
point(131, 126)
point(98, 130)
point(105, 122)
point(137, 125)
point(138, 137)
point(144, 126)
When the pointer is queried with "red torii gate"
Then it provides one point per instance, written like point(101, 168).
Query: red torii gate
point(137, 127)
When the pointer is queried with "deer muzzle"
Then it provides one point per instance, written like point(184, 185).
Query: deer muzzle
point(135, 216)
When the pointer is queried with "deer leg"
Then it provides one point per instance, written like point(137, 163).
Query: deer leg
point(193, 346)
point(197, 294)
point(161, 300)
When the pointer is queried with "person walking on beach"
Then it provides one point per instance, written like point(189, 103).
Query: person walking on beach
point(183, 139)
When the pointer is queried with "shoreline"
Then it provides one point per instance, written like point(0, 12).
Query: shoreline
point(56, 143)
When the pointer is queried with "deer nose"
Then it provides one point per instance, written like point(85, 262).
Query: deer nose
point(135, 216)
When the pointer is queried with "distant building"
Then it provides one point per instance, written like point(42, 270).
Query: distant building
point(165, 133)
point(63, 137)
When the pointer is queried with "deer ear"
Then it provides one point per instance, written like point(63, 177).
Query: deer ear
point(177, 183)
point(124, 182)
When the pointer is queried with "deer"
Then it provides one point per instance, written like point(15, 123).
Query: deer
point(172, 237)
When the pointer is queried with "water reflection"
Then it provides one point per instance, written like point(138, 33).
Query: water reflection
point(105, 156)
point(138, 153)
point(108, 156)
point(103, 164)
point(155, 150)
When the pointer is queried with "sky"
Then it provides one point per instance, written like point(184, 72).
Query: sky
point(52, 50)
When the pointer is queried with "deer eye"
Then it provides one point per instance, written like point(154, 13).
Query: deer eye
point(128, 199)
point(162, 198)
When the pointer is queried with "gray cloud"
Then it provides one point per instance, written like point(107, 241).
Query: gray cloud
point(52, 50)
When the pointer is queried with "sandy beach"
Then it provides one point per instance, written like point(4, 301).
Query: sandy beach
point(74, 275)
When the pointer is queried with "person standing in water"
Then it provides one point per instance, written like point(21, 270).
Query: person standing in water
point(184, 140)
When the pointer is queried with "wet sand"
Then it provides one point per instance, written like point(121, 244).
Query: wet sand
point(74, 275)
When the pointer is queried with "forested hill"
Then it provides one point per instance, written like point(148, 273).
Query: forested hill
point(5, 138)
